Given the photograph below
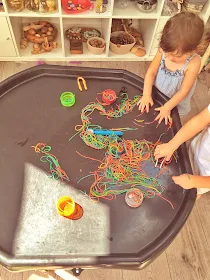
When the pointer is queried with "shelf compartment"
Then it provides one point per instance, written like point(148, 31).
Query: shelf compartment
point(17, 26)
point(91, 13)
point(132, 11)
point(29, 13)
point(100, 24)
point(147, 28)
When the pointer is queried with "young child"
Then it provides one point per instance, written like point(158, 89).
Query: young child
point(176, 65)
point(199, 152)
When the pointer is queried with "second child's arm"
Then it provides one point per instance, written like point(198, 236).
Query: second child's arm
point(189, 130)
point(188, 181)
point(146, 100)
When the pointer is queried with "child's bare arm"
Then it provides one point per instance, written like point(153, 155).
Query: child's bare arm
point(187, 181)
point(189, 79)
point(189, 130)
point(146, 100)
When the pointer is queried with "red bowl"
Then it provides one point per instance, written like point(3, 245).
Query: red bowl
point(85, 5)
point(109, 96)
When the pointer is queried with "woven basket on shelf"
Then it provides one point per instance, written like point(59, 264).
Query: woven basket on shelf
point(193, 6)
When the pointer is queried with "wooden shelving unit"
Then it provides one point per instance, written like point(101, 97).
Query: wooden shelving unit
point(150, 24)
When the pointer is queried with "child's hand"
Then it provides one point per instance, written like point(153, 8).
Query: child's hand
point(184, 180)
point(144, 103)
point(164, 151)
point(164, 113)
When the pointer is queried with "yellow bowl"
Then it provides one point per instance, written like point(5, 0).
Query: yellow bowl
point(65, 206)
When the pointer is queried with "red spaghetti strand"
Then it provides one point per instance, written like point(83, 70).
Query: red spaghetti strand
point(89, 157)
point(158, 194)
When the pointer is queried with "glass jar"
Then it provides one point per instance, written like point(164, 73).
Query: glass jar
point(101, 6)
point(16, 5)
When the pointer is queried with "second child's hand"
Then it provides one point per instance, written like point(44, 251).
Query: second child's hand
point(145, 102)
point(185, 181)
point(164, 151)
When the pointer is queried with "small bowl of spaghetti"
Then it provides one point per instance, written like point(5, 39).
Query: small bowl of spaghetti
point(109, 96)
point(134, 198)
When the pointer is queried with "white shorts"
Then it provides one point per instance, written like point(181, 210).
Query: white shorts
point(195, 168)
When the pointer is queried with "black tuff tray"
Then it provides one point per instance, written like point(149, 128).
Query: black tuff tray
point(32, 234)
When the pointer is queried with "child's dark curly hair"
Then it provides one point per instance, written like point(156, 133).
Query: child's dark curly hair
point(182, 33)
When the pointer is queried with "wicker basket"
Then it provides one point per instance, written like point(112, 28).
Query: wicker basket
point(193, 6)
point(121, 49)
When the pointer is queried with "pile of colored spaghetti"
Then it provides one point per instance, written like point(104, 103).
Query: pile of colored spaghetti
point(123, 169)
point(98, 141)
point(56, 171)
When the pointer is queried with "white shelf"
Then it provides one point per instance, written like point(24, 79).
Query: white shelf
point(129, 55)
point(26, 13)
point(86, 54)
point(87, 14)
point(90, 14)
point(149, 24)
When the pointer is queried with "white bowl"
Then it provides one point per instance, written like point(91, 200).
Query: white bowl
point(95, 50)
point(146, 6)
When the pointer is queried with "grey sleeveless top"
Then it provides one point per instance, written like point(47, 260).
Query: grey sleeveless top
point(169, 82)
